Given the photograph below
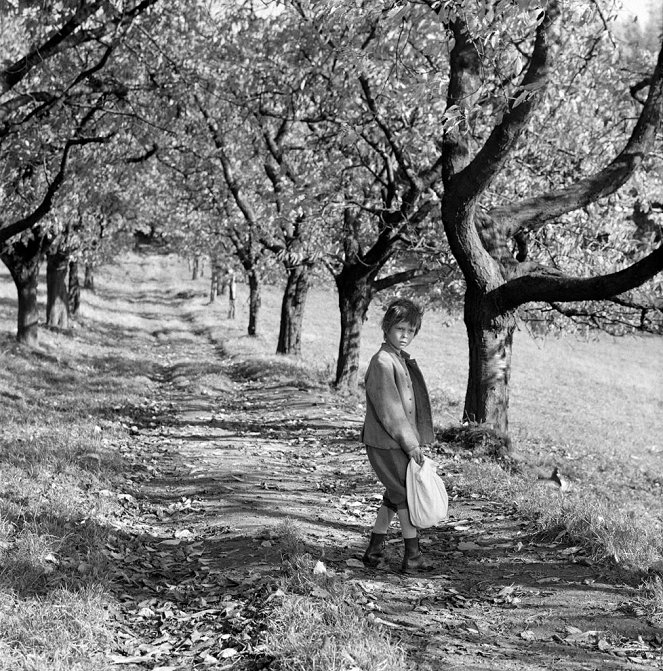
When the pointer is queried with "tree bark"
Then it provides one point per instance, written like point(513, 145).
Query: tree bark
point(57, 296)
point(88, 279)
point(490, 338)
point(74, 289)
point(354, 297)
point(214, 283)
point(23, 264)
point(254, 302)
point(195, 270)
point(292, 310)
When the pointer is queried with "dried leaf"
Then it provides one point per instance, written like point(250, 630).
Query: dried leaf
point(228, 652)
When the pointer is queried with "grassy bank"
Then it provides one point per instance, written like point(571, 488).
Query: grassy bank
point(61, 470)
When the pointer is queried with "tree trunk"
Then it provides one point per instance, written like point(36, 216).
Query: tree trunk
point(57, 298)
point(195, 271)
point(88, 279)
point(254, 302)
point(23, 264)
point(214, 283)
point(490, 337)
point(292, 310)
point(74, 289)
point(354, 297)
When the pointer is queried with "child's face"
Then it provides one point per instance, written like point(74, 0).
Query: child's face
point(400, 335)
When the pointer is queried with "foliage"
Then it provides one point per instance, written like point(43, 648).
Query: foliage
point(65, 83)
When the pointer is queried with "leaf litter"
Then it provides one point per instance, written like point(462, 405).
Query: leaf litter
point(196, 573)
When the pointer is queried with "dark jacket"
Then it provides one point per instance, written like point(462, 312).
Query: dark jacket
point(398, 412)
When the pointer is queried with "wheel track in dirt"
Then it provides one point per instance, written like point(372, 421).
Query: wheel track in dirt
point(247, 454)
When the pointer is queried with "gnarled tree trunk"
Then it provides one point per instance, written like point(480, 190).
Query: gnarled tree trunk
point(214, 283)
point(195, 268)
point(292, 310)
point(74, 289)
point(354, 296)
point(254, 301)
point(490, 337)
point(23, 264)
point(57, 295)
point(88, 279)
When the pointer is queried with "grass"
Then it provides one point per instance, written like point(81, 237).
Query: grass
point(315, 623)
point(60, 442)
point(590, 407)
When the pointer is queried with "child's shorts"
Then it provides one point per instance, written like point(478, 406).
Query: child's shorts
point(390, 466)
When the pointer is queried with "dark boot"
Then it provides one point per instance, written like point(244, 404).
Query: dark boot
point(413, 560)
point(374, 555)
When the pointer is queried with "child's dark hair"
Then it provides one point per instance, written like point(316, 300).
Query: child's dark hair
point(402, 310)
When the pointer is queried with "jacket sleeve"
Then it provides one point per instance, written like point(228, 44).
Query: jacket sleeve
point(382, 393)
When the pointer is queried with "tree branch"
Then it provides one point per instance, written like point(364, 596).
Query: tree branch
point(67, 36)
point(44, 207)
point(477, 176)
point(556, 287)
point(399, 278)
point(403, 164)
point(533, 213)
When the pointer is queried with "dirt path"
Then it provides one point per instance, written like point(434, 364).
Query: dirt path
point(218, 462)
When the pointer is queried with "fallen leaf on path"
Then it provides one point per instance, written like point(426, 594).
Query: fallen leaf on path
point(465, 546)
point(355, 563)
point(119, 659)
point(570, 551)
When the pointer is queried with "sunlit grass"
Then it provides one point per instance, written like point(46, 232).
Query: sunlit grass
point(582, 517)
point(314, 622)
point(59, 453)
point(60, 631)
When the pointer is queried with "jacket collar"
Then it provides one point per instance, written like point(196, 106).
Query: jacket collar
point(392, 350)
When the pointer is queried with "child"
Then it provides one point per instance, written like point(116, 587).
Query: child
point(398, 422)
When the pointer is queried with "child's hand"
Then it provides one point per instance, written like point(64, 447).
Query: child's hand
point(418, 455)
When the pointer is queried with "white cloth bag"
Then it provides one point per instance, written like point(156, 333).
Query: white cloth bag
point(426, 494)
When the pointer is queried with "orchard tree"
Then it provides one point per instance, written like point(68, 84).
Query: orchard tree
point(247, 104)
point(373, 160)
point(489, 243)
point(53, 93)
point(450, 105)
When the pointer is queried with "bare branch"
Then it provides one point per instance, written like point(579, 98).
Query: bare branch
point(556, 287)
point(403, 163)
